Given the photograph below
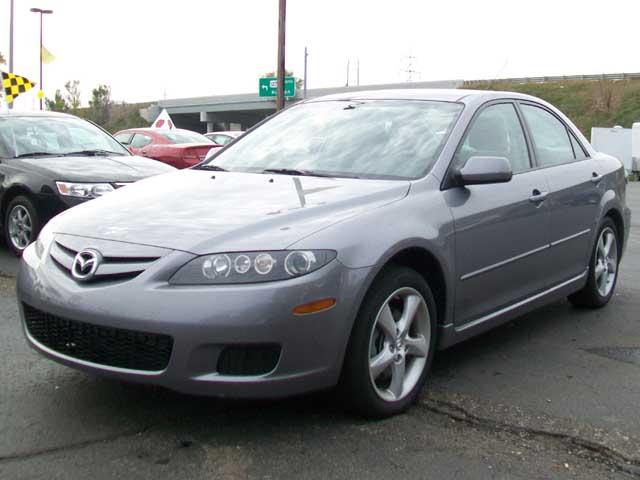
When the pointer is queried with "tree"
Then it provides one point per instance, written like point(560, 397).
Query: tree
point(73, 94)
point(100, 105)
point(58, 104)
point(2, 60)
point(287, 73)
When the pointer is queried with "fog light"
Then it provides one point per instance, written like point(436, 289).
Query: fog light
point(314, 307)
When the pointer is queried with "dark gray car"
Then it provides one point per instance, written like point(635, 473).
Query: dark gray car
point(341, 242)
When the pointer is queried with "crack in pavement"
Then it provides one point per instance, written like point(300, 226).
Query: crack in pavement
point(71, 446)
point(601, 453)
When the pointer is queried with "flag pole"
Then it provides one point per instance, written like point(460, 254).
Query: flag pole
point(40, 60)
point(11, 43)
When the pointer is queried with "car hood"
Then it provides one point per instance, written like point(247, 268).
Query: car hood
point(204, 211)
point(94, 169)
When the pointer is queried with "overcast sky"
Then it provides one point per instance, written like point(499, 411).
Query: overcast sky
point(146, 49)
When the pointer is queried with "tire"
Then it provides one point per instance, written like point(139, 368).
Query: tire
point(22, 223)
point(599, 289)
point(371, 389)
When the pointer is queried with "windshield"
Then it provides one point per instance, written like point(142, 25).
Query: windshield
point(24, 136)
point(394, 139)
point(185, 136)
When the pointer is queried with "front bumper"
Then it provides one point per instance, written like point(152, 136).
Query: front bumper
point(202, 320)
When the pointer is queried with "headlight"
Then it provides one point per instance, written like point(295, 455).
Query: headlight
point(251, 267)
point(84, 190)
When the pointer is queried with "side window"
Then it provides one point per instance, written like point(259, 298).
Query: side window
point(140, 140)
point(577, 148)
point(496, 132)
point(222, 139)
point(123, 138)
point(550, 136)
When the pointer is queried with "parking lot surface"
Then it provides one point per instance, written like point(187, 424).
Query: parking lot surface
point(553, 394)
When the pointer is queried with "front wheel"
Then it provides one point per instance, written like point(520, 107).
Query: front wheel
point(392, 344)
point(603, 269)
point(22, 224)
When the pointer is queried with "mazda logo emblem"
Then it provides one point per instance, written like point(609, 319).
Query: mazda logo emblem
point(85, 265)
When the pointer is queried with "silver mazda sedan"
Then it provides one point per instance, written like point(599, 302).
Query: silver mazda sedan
point(342, 242)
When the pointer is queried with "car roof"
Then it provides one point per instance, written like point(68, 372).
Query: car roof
point(437, 94)
point(35, 113)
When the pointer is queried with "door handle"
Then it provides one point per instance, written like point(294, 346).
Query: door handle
point(595, 178)
point(537, 196)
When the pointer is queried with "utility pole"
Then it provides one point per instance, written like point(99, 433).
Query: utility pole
point(41, 12)
point(282, 16)
point(305, 72)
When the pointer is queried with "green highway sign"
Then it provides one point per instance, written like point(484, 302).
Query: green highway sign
point(268, 87)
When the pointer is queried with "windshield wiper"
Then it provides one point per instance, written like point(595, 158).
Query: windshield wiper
point(215, 168)
point(295, 171)
point(34, 154)
point(94, 152)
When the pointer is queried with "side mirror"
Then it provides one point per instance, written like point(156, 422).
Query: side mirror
point(483, 170)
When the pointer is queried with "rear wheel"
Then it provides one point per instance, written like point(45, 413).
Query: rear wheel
point(21, 224)
point(603, 269)
point(392, 344)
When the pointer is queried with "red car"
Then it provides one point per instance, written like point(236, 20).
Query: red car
point(179, 148)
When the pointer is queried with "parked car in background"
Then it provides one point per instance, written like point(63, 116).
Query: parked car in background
point(344, 240)
point(52, 161)
point(176, 147)
point(222, 138)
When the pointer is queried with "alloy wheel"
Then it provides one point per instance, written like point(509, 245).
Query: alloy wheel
point(20, 227)
point(606, 266)
point(399, 344)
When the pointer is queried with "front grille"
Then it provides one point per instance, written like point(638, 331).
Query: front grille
point(114, 266)
point(248, 359)
point(112, 347)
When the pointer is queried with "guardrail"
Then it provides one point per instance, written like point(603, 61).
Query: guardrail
point(603, 76)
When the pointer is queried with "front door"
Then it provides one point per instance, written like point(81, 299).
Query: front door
point(501, 230)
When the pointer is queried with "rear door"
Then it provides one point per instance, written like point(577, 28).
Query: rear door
point(574, 190)
point(501, 230)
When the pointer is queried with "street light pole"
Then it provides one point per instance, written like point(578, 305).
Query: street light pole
point(41, 12)
point(282, 14)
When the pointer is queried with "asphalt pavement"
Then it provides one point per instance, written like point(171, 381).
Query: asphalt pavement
point(553, 394)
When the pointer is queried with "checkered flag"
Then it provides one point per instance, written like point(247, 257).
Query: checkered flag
point(13, 85)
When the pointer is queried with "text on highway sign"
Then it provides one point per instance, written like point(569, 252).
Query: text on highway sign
point(268, 87)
